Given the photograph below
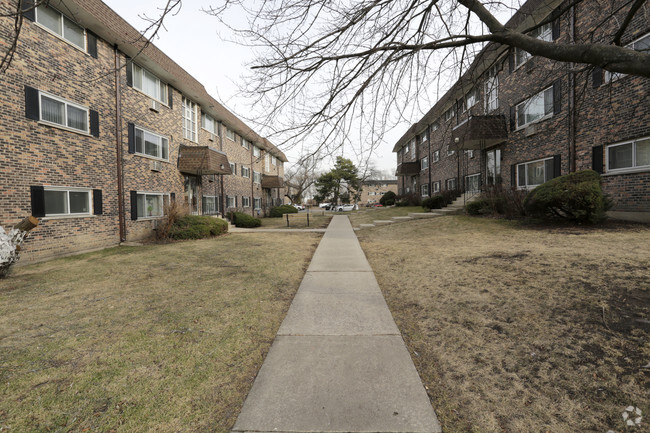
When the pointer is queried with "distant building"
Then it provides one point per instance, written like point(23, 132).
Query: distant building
point(373, 190)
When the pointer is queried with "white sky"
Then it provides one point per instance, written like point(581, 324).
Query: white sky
point(191, 39)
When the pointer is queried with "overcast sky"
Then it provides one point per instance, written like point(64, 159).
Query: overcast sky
point(192, 39)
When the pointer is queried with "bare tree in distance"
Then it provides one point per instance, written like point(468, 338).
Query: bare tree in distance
point(326, 70)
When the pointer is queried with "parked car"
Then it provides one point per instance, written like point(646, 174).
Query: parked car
point(324, 205)
point(298, 206)
point(346, 207)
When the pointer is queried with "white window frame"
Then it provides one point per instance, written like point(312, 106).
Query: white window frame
point(245, 143)
point(162, 196)
point(66, 103)
point(424, 163)
point(613, 76)
point(467, 178)
point(634, 167)
point(230, 202)
point(424, 137)
point(257, 177)
point(267, 162)
point(160, 146)
point(455, 182)
point(62, 34)
point(245, 201)
point(525, 166)
point(449, 114)
point(230, 134)
point(424, 190)
point(528, 101)
point(470, 99)
point(492, 90)
point(68, 190)
point(257, 203)
point(436, 187)
point(544, 33)
point(274, 160)
point(450, 151)
point(216, 204)
point(407, 148)
point(206, 121)
point(189, 113)
point(436, 155)
point(256, 151)
point(233, 168)
point(245, 171)
point(469, 153)
point(160, 85)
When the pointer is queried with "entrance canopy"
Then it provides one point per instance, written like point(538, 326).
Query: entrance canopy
point(200, 160)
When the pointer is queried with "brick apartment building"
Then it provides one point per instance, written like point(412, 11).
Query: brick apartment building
point(100, 130)
point(373, 190)
point(518, 120)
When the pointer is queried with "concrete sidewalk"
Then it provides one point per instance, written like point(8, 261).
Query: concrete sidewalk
point(338, 363)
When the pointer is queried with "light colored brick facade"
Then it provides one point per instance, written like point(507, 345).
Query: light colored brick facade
point(373, 190)
point(96, 160)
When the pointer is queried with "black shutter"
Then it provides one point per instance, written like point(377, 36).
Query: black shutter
point(557, 97)
point(97, 202)
point(38, 200)
point(511, 60)
point(513, 175)
point(512, 118)
point(596, 77)
point(92, 43)
point(129, 72)
point(556, 28)
point(28, 10)
point(557, 166)
point(170, 96)
point(131, 138)
point(94, 123)
point(172, 197)
point(134, 205)
point(597, 159)
point(31, 103)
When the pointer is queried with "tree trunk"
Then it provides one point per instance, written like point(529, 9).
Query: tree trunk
point(27, 224)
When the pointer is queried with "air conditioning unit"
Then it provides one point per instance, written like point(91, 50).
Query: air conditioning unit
point(155, 106)
point(156, 166)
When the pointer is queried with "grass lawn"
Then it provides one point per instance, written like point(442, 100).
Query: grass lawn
point(368, 215)
point(298, 221)
point(160, 338)
point(518, 328)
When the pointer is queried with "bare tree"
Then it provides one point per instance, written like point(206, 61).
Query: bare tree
point(329, 69)
point(300, 178)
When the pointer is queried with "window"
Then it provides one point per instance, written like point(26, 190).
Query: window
point(436, 187)
point(267, 162)
point(544, 32)
point(434, 126)
point(424, 163)
point(641, 44)
point(150, 205)
point(436, 155)
point(531, 174)
point(629, 155)
point(209, 124)
point(63, 201)
point(274, 160)
point(150, 144)
point(233, 168)
point(470, 99)
point(451, 184)
point(425, 190)
point(449, 114)
point(407, 148)
point(473, 183)
point(230, 201)
point(63, 113)
point(245, 143)
point(257, 177)
point(245, 171)
point(59, 24)
point(493, 165)
point(210, 204)
point(450, 151)
point(423, 138)
point(413, 142)
point(469, 153)
point(256, 151)
point(230, 134)
point(149, 84)
point(257, 203)
point(535, 108)
point(245, 201)
point(492, 90)
point(189, 120)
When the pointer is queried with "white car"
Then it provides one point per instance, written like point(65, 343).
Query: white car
point(299, 207)
point(346, 207)
point(324, 205)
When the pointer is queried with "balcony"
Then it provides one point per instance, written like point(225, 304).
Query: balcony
point(408, 168)
point(272, 181)
point(479, 132)
point(200, 160)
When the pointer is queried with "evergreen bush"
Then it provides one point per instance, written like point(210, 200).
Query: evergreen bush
point(197, 227)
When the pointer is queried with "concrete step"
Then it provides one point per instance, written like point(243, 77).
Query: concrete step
point(382, 222)
point(365, 226)
point(402, 218)
point(421, 215)
point(450, 211)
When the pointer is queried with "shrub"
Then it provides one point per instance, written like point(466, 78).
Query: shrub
point(240, 219)
point(197, 227)
point(450, 195)
point(278, 211)
point(434, 202)
point(477, 206)
point(576, 197)
point(172, 211)
point(388, 199)
point(410, 199)
point(508, 201)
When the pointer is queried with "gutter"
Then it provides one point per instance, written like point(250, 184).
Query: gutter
point(572, 102)
point(118, 147)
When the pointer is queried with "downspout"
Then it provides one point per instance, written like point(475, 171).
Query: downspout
point(223, 203)
point(118, 148)
point(572, 104)
point(250, 175)
point(429, 160)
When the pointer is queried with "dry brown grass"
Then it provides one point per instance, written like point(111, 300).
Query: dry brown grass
point(298, 221)
point(521, 329)
point(368, 215)
point(160, 338)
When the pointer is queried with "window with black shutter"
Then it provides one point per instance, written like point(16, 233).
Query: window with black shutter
point(38, 200)
point(97, 202)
